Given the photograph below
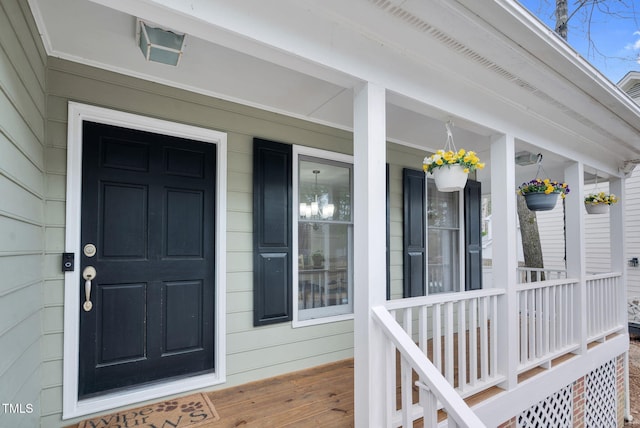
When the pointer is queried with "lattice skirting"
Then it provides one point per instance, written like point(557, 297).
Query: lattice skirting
point(591, 401)
point(555, 411)
point(601, 397)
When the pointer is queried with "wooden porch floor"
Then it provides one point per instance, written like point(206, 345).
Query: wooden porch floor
point(318, 397)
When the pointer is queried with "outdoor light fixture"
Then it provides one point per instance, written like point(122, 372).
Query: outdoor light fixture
point(313, 209)
point(158, 44)
point(524, 158)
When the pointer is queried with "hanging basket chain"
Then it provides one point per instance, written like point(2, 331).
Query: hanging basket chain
point(540, 167)
point(449, 144)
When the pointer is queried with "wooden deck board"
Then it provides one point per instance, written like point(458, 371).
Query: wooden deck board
point(322, 396)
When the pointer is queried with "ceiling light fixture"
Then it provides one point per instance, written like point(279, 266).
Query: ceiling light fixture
point(314, 209)
point(158, 44)
point(525, 158)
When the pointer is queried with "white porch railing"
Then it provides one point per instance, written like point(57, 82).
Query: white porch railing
point(603, 305)
point(528, 274)
point(435, 391)
point(450, 340)
point(546, 315)
point(443, 326)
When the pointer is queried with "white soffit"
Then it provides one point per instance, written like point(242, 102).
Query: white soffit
point(323, 48)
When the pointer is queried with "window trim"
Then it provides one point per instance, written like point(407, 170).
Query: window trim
point(324, 155)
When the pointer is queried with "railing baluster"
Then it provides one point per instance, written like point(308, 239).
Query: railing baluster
point(406, 392)
point(493, 330)
point(538, 322)
point(522, 302)
point(429, 403)
point(423, 331)
point(437, 344)
point(392, 406)
point(553, 323)
point(484, 338)
point(473, 342)
point(547, 319)
point(531, 323)
point(407, 321)
point(448, 342)
point(462, 346)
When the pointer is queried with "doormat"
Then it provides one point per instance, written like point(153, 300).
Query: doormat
point(190, 411)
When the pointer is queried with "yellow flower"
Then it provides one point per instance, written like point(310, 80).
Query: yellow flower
point(466, 170)
point(439, 162)
point(480, 165)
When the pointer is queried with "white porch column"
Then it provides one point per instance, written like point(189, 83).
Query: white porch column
point(575, 246)
point(504, 248)
point(618, 242)
point(619, 264)
point(369, 252)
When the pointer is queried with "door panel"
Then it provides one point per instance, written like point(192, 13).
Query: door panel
point(148, 207)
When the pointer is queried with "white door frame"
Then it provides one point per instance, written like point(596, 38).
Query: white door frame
point(72, 407)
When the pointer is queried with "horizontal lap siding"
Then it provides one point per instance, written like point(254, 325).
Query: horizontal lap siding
point(252, 353)
point(632, 212)
point(22, 202)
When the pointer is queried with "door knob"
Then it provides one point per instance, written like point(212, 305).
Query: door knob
point(89, 273)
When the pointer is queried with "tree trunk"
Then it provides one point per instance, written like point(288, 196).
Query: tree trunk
point(562, 16)
point(531, 246)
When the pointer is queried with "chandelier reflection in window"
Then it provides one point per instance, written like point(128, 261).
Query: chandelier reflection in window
point(318, 208)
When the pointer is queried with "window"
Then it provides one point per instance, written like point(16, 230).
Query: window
point(443, 240)
point(323, 236)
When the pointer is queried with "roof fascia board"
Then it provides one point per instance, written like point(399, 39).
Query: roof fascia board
point(534, 36)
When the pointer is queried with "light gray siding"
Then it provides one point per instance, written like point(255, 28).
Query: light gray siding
point(22, 214)
point(252, 353)
point(632, 213)
point(551, 229)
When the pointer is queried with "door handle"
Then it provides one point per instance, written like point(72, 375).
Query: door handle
point(89, 273)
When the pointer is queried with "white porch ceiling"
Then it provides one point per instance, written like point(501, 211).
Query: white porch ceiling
point(439, 60)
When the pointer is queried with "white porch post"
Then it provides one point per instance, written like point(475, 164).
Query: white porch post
point(619, 264)
point(370, 252)
point(618, 242)
point(505, 263)
point(574, 247)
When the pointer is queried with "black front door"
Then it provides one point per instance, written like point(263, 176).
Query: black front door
point(148, 204)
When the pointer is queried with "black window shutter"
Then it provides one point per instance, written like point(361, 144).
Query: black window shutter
point(473, 235)
point(414, 254)
point(272, 270)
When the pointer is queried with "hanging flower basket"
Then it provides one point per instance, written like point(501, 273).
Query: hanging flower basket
point(541, 201)
point(450, 167)
point(450, 178)
point(596, 208)
point(598, 203)
point(542, 195)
